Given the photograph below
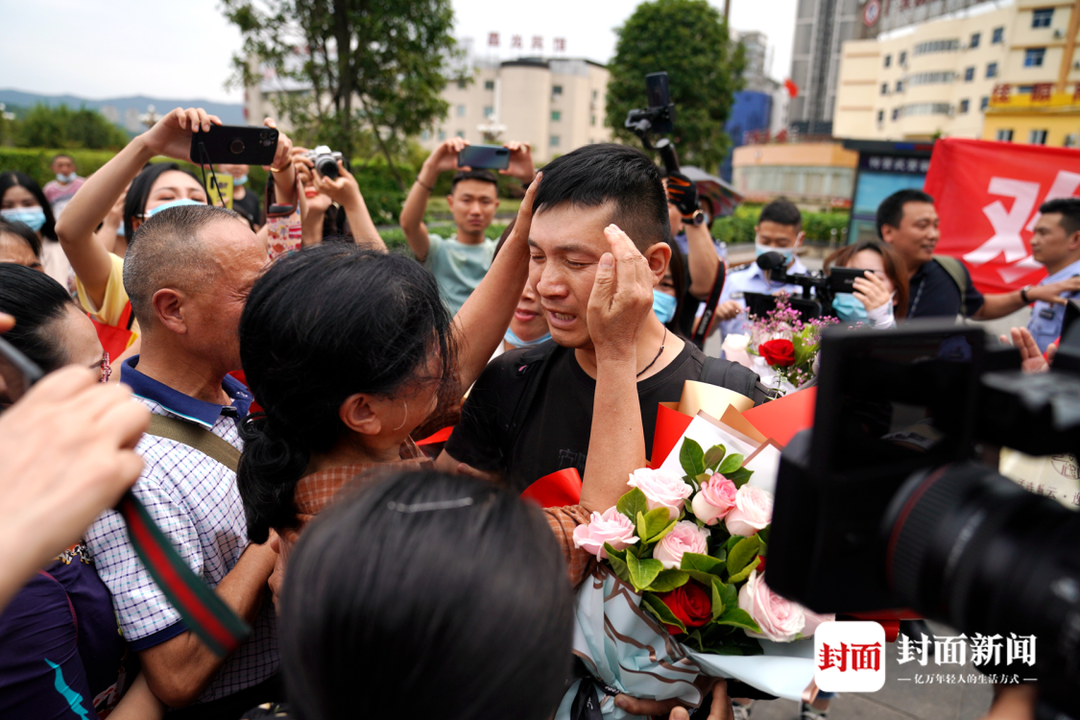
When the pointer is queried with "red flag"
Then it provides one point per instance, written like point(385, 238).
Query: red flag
point(988, 196)
point(791, 87)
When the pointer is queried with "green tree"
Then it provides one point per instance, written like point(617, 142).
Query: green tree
point(370, 74)
point(62, 127)
point(689, 40)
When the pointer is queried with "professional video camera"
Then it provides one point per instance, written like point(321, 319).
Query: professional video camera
point(818, 289)
point(659, 117)
point(325, 160)
point(883, 504)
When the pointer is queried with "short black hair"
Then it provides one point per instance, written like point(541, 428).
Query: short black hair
point(481, 175)
point(23, 232)
point(594, 175)
point(1069, 208)
point(781, 212)
point(891, 210)
point(443, 589)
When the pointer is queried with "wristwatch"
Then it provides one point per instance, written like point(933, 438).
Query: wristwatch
point(1024, 294)
point(696, 219)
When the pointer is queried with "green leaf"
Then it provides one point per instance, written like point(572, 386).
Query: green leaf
point(642, 572)
point(704, 578)
point(731, 542)
point(613, 553)
point(717, 601)
point(662, 611)
point(668, 580)
point(740, 556)
point(731, 463)
point(657, 522)
point(632, 503)
point(691, 458)
point(619, 567)
point(745, 572)
point(737, 617)
point(740, 477)
point(730, 595)
point(714, 456)
point(702, 563)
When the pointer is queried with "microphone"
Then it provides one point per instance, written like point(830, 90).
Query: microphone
point(770, 261)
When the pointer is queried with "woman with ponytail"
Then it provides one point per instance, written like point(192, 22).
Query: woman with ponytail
point(349, 352)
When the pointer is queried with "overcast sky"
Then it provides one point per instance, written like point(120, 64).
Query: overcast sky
point(135, 47)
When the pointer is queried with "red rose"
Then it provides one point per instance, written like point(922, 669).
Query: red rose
point(779, 353)
point(690, 603)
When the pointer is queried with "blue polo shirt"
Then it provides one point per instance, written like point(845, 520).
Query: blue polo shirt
point(195, 501)
point(1046, 318)
point(751, 278)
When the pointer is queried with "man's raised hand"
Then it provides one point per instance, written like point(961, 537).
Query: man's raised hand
point(621, 298)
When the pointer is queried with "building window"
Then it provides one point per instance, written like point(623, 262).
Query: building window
point(899, 86)
point(984, 102)
point(964, 105)
point(1033, 57)
point(488, 111)
point(896, 114)
point(460, 133)
point(903, 58)
point(1041, 18)
point(1003, 136)
point(461, 84)
point(442, 135)
point(461, 111)
point(936, 46)
point(592, 120)
point(969, 74)
point(888, 60)
point(554, 141)
point(999, 36)
point(974, 41)
point(556, 115)
point(489, 84)
point(425, 135)
point(880, 116)
point(991, 70)
point(1037, 137)
point(556, 89)
point(1024, 89)
point(884, 88)
point(932, 78)
point(1070, 140)
point(595, 95)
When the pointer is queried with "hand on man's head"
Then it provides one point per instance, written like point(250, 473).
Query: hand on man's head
point(621, 297)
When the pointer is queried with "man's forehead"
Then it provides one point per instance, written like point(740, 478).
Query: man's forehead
point(475, 187)
point(570, 228)
point(917, 210)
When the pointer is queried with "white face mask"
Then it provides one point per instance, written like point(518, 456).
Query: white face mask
point(787, 253)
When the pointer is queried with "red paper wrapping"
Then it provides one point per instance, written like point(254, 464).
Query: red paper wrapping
point(782, 418)
point(670, 426)
point(558, 489)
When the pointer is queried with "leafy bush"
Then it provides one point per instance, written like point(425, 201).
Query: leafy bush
point(738, 229)
point(395, 238)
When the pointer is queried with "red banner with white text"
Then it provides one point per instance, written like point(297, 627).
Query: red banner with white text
point(988, 196)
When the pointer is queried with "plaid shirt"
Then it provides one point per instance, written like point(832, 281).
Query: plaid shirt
point(195, 501)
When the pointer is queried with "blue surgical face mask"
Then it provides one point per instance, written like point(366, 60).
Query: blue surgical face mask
point(172, 203)
point(66, 178)
point(663, 305)
point(240, 180)
point(517, 342)
point(32, 216)
point(848, 308)
point(760, 250)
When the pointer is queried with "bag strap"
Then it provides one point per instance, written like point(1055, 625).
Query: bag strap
point(955, 269)
point(733, 376)
point(196, 437)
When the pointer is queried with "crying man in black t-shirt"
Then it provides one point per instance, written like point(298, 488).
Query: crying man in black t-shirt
point(531, 411)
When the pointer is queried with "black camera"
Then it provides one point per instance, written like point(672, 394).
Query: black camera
point(326, 161)
point(818, 289)
point(659, 117)
point(884, 505)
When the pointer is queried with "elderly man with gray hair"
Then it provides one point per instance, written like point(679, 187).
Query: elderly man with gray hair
point(188, 272)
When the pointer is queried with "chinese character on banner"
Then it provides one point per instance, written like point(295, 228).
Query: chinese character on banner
point(875, 162)
point(1000, 94)
point(537, 42)
point(1041, 92)
point(493, 39)
point(848, 656)
point(886, 163)
point(909, 649)
point(950, 649)
point(560, 44)
point(913, 165)
point(515, 41)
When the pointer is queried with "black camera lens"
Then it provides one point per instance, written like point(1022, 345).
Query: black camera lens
point(236, 146)
point(972, 548)
point(327, 166)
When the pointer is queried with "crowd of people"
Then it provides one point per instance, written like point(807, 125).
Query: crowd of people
point(280, 421)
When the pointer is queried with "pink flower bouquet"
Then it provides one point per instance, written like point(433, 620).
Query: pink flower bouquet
point(681, 590)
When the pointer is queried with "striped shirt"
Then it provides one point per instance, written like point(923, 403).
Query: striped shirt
point(195, 501)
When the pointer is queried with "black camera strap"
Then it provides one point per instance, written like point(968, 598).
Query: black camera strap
point(702, 329)
point(204, 162)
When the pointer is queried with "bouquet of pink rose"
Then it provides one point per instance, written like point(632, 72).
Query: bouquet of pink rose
point(691, 551)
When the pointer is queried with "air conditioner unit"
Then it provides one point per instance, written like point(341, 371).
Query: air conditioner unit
point(1058, 34)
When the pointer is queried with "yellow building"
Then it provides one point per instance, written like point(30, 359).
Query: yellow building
point(821, 174)
point(971, 73)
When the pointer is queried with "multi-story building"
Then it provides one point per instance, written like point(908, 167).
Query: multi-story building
point(993, 66)
point(821, 29)
point(556, 105)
